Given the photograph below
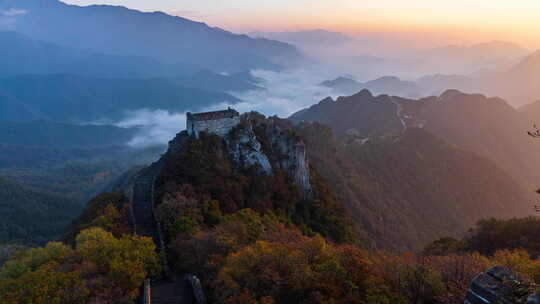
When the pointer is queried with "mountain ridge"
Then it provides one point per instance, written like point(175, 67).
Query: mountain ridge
point(158, 35)
point(405, 188)
point(83, 99)
point(469, 121)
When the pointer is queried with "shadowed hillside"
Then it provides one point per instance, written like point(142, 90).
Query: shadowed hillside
point(488, 127)
point(33, 217)
point(70, 98)
point(405, 190)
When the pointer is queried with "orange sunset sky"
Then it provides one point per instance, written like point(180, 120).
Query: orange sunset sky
point(456, 20)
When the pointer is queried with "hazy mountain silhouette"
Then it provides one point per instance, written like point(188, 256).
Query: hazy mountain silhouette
point(24, 55)
point(436, 84)
point(515, 80)
point(488, 127)
point(122, 31)
point(487, 52)
point(515, 83)
point(44, 133)
point(518, 84)
point(461, 59)
point(71, 98)
point(390, 85)
point(306, 37)
point(531, 113)
point(405, 189)
point(31, 216)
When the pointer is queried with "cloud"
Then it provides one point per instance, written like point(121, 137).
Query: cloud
point(286, 93)
point(12, 12)
point(157, 127)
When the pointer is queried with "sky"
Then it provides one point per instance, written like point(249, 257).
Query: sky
point(468, 20)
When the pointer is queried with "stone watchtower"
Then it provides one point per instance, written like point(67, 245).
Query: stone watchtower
point(218, 122)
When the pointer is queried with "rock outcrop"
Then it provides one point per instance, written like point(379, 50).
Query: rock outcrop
point(273, 139)
point(268, 144)
point(246, 150)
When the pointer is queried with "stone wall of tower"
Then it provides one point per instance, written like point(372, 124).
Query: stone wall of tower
point(220, 127)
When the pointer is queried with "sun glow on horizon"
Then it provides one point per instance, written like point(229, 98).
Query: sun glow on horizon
point(466, 20)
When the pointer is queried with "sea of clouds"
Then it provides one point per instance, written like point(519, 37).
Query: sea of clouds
point(285, 93)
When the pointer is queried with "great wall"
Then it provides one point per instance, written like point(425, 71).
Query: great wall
point(170, 288)
point(283, 152)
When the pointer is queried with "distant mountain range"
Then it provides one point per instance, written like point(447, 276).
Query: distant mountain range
point(126, 32)
point(410, 170)
point(41, 80)
point(71, 98)
point(374, 56)
point(43, 133)
point(384, 85)
point(488, 127)
point(317, 37)
point(406, 189)
point(23, 55)
point(463, 58)
point(531, 113)
point(516, 83)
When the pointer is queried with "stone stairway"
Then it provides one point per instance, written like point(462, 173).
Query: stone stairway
point(168, 290)
point(145, 223)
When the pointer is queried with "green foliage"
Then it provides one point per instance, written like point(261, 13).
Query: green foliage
point(101, 269)
point(202, 174)
point(8, 251)
point(509, 243)
point(325, 214)
point(444, 246)
point(126, 261)
point(211, 212)
point(43, 189)
point(406, 189)
point(109, 211)
point(32, 217)
point(32, 259)
point(519, 261)
point(184, 225)
point(491, 235)
point(310, 271)
point(179, 214)
point(47, 284)
point(204, 252)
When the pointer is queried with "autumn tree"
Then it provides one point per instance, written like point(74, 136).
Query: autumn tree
point(100, 269)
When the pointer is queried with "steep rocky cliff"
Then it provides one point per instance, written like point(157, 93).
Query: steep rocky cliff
point(274, 140)
point(261, 164)
point(263, 144)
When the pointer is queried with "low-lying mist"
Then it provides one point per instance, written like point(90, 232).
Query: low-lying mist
point(285, 93)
